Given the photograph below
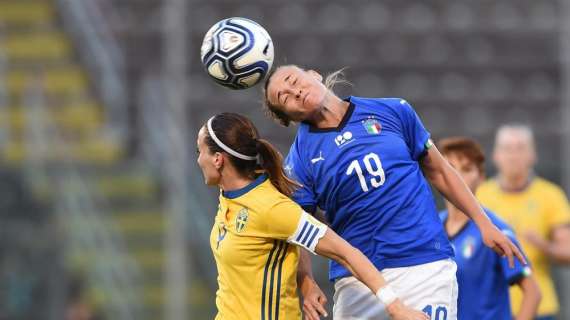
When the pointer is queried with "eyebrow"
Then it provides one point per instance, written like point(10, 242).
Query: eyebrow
point(279, 93)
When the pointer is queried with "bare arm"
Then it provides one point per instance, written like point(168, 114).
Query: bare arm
point(314, 299)
point(334, 247)
point(447, 181)
point(558, 248)
point(531, 298)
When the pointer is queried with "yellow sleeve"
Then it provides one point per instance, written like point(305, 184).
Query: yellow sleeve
point(287, 221)
point(282, 219)
point(559, 211)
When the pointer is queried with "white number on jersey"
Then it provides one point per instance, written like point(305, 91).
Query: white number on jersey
point(377, 171)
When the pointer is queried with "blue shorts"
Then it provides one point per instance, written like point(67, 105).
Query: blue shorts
point(545, 318)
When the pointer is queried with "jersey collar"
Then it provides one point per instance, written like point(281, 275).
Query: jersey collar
point(342, 123)
point(232, 194)
point(445, 215)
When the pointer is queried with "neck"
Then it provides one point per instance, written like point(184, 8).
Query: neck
point(456, 219)
point(514, 182)
point(233, 181)
point(331, 113)
point(455, 214)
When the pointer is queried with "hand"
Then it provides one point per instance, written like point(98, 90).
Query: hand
point(501, 244)
point(314, 301)
point(398, 311)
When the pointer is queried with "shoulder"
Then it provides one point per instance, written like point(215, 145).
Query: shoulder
point(487, 187)
point(500, 223)
point(546, 187)
point(269, 198)
point(379, 102)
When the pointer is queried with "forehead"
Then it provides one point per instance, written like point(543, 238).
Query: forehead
point(513, 137)
point(458, 158)
point(201, 135)
point(280, 74)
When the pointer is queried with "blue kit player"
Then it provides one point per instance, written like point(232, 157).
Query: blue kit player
point(483, 276)
point(366, 162)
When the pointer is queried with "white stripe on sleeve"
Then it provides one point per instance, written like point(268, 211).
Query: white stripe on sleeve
point(309, 232)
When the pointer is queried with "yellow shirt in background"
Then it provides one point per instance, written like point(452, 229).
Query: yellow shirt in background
point(539, 208)
point(253, 241)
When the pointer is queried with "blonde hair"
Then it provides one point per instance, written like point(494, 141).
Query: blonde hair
point(274, 112)
point(520, 128)
point(336, 77)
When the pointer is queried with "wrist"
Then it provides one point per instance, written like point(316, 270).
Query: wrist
point(306, 282)
point(386, 295)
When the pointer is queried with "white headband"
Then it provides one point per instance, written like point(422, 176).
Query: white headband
point(223, 146)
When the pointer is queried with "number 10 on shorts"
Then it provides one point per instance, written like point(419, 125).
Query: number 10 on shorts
point(440, 312)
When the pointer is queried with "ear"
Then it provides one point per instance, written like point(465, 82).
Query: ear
point(218, 160)
point(316, 75)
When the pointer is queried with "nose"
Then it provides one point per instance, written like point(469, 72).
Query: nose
point(298, 95)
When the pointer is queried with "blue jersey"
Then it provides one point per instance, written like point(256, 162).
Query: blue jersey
point(482, 275)
point(366, 176)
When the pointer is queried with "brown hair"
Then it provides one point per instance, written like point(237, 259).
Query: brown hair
point(465, 147)
point(240, 134)
point(275, 112)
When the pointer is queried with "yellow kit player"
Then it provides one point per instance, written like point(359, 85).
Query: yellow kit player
point(536, 209)
point(258, 229)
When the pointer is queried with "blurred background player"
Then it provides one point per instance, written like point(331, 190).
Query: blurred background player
point(536, 209)
point(256, 222)
point(483, 276)
point(361, 161)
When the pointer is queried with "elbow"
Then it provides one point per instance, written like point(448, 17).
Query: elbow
point(534, 290)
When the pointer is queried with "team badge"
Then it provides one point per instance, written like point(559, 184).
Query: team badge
point(241, 220)
point(372, 126)
point(468, 247)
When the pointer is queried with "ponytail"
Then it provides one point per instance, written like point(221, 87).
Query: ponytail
point(236, 136)
point(270, 161)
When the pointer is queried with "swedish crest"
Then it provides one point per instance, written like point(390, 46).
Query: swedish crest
point(241, 220)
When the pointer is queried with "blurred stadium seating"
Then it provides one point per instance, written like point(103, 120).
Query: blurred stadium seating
point(88, 130)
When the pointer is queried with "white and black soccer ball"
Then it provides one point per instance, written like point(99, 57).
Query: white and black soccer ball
point(237, 52)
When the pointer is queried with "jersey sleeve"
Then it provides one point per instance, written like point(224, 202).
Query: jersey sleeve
point(513, 275)
point(559, 212)
point(295, 168)
point(415, 134)
point(287, 221)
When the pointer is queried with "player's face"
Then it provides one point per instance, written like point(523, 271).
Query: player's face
point(466, 169)
point(207, 160)
point(514, 154)
point(298, 93)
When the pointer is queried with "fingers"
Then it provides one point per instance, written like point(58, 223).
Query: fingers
point(321, 309)
point(508, 251)
point(323, 300)
point(518, 254)
point(314, 309)
point(310, 312)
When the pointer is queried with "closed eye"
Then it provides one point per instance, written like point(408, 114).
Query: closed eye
point(295, 81)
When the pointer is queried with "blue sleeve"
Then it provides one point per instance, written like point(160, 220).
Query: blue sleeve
point(295, 169)
point(415, 134)
point(513, 275)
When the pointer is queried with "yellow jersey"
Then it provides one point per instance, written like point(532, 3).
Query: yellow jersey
point(539, 208)
point(255, 241)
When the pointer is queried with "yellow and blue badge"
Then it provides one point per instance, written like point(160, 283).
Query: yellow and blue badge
point(372, 126)
point(241, 220)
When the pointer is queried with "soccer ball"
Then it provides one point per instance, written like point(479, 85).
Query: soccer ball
point(237, 53)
